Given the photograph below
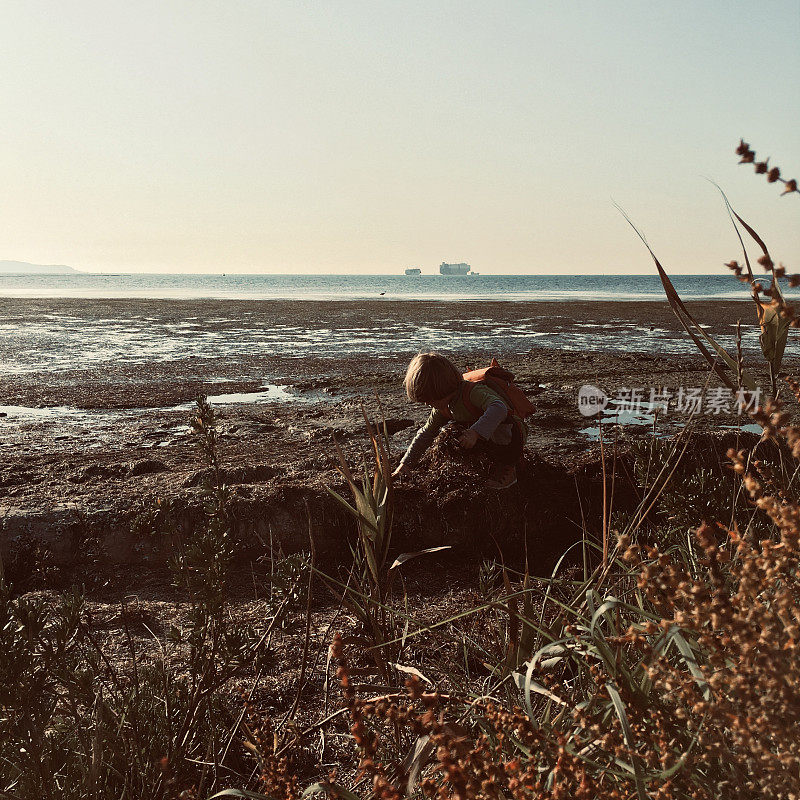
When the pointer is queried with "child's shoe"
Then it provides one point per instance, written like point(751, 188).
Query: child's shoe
point(502, 476)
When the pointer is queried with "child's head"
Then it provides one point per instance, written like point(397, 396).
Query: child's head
point(430, 378)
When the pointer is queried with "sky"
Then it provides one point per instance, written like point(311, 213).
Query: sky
point(371, 136)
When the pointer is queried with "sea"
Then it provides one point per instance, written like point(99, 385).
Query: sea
point(553, 288)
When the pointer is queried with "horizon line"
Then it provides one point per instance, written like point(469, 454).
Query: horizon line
point(112, 273)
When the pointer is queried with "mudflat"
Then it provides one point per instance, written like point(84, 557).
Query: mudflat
point(104, 354)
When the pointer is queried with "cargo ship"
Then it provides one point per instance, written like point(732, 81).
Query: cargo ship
point(413, 271)
point(454, 269)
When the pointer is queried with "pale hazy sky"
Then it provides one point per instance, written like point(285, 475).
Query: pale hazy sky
point(371, 136)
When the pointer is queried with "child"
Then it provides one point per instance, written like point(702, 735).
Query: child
point(434, 380)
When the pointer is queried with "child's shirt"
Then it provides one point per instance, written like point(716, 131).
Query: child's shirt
point(494, 424)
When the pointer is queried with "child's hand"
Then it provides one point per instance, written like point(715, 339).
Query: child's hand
point(468, 439)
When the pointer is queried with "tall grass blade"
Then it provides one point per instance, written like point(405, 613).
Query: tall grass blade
point(774, 325)
point(512, 609)
point(691, 325)
point(690, 660)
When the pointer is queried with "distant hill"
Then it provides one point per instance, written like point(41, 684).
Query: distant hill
point(38, 269)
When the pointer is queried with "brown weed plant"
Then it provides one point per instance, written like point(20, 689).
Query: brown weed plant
point(682, 683)
point(775, 314)
point(773, 174)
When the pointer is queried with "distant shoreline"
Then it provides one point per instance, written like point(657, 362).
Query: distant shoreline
point(24, 268)
point(386, 275)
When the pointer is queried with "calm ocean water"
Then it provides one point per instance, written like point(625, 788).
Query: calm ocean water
point(357, 287)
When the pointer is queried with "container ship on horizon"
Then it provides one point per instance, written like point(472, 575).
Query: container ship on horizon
point(454, 269)
point(446, 269)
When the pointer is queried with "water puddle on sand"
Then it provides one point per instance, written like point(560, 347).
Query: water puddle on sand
point(43, 428)
point(648, 419)
point(611, 417)
point(274, 393)
point(751, 427)
point(271, 393)
point(11, 413)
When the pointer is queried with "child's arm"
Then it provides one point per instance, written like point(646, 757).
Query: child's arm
point(495, 411)
point(486, 425)
point(422, 441)
point(494, 414)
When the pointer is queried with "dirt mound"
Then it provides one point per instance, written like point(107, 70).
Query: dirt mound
point(446, 501)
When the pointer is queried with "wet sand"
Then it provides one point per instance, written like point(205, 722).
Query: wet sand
point(150, 354)
point(109, 439)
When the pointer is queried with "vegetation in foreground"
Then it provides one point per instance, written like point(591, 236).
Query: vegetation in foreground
point(664, 667)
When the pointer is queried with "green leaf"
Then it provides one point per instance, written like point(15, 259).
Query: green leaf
point(403, 557)
point(691, 661)
point(774, 332)
point(328, 788)
point(357, 514)
point(532, 686)
point(608, 604)
point(619, 707)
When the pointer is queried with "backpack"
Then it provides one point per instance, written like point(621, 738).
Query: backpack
point(502, 382)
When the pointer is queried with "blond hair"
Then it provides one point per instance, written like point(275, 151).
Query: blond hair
point(431, 377)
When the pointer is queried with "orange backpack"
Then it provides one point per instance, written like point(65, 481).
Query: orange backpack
point(502, 382)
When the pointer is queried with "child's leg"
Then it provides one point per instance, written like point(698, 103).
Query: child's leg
point(508, 454)
point(505, 458)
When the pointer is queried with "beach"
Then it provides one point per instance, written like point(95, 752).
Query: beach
point(97, 394)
